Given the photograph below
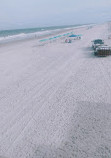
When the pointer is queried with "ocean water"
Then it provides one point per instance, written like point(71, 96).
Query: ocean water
point(20, 34)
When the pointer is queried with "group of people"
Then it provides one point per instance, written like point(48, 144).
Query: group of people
point(68, 41)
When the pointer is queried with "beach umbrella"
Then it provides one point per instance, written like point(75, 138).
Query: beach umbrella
point(79, 35)
point(43, 40)
point(51, 38)
point(64, 34)
point(73, 36)
point(59, 35)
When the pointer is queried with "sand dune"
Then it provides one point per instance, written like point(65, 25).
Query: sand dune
point(55, 99)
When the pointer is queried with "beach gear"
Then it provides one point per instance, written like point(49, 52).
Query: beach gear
point(55, 37)
point(75, 35)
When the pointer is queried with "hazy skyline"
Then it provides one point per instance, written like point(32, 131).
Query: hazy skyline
point(38, 13)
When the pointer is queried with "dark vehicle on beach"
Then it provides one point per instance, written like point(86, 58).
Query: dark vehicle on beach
point(102, 51)
point(96, 43)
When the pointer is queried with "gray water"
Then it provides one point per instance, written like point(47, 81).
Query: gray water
point(5, 33)
point(20, 34)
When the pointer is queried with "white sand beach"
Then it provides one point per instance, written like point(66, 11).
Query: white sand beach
point(55, 98)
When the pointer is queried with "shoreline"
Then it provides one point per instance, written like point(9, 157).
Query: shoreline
point(66, 30)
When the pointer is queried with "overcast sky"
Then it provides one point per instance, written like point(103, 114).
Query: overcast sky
point(37, 13)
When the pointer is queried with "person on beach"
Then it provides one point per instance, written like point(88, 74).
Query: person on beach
point(66, 41)
point(70, 41)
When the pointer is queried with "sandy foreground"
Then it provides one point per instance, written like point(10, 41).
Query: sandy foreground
point(55, 99)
